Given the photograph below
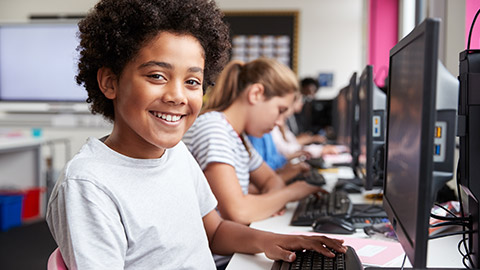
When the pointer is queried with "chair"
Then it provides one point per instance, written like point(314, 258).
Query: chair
point(55, 261)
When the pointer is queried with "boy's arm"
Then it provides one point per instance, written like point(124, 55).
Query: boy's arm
point(227, 237)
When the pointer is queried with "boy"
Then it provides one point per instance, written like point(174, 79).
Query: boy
point(136, 199)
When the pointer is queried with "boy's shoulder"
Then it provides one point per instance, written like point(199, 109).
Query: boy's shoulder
point(91, 155)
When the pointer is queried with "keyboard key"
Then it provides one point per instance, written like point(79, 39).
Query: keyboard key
point(313, 260)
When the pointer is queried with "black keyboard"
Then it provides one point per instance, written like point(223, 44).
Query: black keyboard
point(313, 177)
point(314, 206)
point(313, 260)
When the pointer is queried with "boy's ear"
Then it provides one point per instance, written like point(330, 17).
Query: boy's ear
point(255, 93)
point(107, 82)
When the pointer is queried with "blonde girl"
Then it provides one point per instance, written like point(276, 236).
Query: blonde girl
point(247, 98)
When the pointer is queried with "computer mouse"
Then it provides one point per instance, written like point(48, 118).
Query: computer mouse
point(352, 188)
point(331, 224)
point(348, 187)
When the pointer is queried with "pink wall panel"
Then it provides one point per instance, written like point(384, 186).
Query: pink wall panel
point(382, 35)
point(471, 8)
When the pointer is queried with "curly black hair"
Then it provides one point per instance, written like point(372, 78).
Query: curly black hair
point(114, 31)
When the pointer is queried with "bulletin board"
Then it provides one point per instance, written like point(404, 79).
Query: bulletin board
point(272, 34)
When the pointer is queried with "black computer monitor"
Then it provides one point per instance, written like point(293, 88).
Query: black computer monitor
point(469, 150)
point(411, 183)
point(340, 115)
point(38, 62)
point(371, 130)
point(322, 115)
point(345, 120)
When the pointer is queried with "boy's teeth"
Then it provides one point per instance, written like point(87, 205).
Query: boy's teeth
point(168, 117)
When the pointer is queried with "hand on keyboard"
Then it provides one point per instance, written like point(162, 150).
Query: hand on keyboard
point(311, 260)
point(302, 189)
point(283, 247)
point(311, 176)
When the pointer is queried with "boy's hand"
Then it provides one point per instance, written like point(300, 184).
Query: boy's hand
point(282, 247)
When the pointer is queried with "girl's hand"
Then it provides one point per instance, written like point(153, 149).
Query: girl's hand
point(280, 212)
point(330, 150)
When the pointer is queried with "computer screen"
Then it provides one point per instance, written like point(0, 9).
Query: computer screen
point(322, 115)
point(38, 62)
point(409, 138)
point(371, 130)
point(345, 120)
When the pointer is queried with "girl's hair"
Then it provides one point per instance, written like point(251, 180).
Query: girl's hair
point(112, 34)
point(276, 78)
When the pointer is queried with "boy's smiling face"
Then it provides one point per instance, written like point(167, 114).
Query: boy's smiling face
point(157, 97)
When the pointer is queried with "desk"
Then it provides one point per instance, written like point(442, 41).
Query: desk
point(20, 162)
point(21, 165)
point(441, 253)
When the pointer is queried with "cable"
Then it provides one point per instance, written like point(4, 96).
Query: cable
point(448, 234)
point(445, 209)
point(471, 29)
point(447, 223)
point(464, 262)
point(403, 263)
point(459, 247)
point(450, 218)
point(462, 212)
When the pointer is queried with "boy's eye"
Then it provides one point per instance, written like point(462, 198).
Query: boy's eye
point(282, 110)
point(193, 82)
point(156, 76)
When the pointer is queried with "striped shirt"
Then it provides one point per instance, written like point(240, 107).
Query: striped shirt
point(212, 139)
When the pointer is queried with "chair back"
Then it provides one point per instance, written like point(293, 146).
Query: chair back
point(55, 261)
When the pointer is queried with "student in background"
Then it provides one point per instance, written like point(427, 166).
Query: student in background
point(267, 149)
point(287, 144)
point(286, 169)
point(247, 98)
point(297, 115)
point(301, 121)
point(136, 199)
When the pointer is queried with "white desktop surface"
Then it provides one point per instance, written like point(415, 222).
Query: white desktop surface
point(441, 253)
point(7, 144)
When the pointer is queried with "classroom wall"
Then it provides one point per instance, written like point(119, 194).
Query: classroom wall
point(331, 35)
point(330, 32)
point(331, 39)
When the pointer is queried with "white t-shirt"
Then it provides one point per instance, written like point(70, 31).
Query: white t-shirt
point(110, 211)
point(212, 139)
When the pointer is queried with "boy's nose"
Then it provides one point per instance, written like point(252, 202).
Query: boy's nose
point(174, 94)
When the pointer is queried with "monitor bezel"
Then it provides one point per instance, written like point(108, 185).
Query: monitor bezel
point(353, 116)
point(417, 250)
point(350, 92)
point(364, 171)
